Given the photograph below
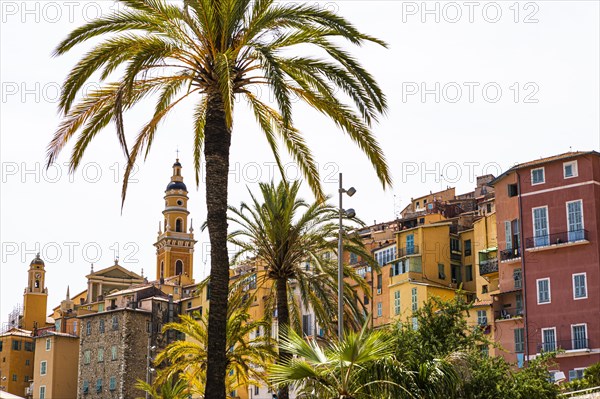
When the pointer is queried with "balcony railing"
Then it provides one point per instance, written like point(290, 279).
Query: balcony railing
point(406, 251)
point(569, 344)
point(508, 313)
point(564, 237)
point(488, 266)
point(509, 254)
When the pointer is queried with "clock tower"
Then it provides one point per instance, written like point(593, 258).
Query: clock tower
point(175, 244)
point(35, 297)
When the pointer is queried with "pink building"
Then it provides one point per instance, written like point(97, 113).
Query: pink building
point(548, 220)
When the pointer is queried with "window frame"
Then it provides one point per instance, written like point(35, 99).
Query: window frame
point(582, 218)
point(380, 309)
point(43, 367)
point(573, 336)
point(537, 286)
point(584, 274)
point(553, 329)
point(397, 303)
point(519, 346)
point(414, 297)
point(536, 237)
point(112, 383)
point(482, 321)
point(543, 169)
point(574, 168)
point(42, 392)
point(48, 344)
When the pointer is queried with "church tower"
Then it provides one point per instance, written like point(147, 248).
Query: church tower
point(35, 297)
point(175, 243)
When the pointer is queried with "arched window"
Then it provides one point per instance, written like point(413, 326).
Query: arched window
point(162, 269)
point(178, 268)
point(179, 225)
point(37, 284)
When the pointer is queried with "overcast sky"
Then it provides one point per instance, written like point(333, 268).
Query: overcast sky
point(473, 87)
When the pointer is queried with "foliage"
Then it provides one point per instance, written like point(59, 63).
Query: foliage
point(167, 390)
point(281, 232)
point(591, 379)
point(246, 360)
point(337, 371)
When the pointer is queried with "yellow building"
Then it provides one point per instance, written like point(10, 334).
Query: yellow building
point(55, 368)
point(35, 297)
point(16, 366)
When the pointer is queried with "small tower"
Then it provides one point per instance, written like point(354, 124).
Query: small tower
point(35, 297)
point(175, 242)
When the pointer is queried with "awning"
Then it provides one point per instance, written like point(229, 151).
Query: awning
point(487, 250)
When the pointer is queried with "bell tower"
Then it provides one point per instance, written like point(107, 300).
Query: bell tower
point(35, 297)
point(175, 242)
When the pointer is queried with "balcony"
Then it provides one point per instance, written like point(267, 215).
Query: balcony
point(488, 266)
point(562, 238)
point(510, 254)
point(508, 313)
point(579, 344)
point(408, 251)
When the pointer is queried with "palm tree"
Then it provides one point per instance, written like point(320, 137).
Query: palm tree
point(247, 358)
point(282, 232)
point(167, 390)
point(211, 52)
point(341, 370)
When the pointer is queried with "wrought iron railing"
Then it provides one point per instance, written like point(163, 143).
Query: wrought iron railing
point(409, 250)
point(512, 253)
point(564, 237)
point(568, 344)
point(488, 266)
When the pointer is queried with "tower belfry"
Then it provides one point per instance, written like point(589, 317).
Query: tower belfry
point(35, 297)
point(175, 242)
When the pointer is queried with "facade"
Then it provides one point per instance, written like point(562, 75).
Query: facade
point(17, 358)
point(55, 367)
point(555, 203)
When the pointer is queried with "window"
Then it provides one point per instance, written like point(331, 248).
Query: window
point(179, 225)
point(468, 248)
point(27, 362)
point(379, 309)
point(484, 349)
point(115, 323)
point(113, 352)
point(379, 283)
point(513, 190)
point(579, 286)
point(414, 299)
point(454, 244)
point(482, 317)
point(100, 354)
point(519, 300)
point(469, 273)
point(16, 345)
point(386, 255)
point(256, 390)
point(99, 385)
point(517, 277)
point(575, 220)
point(353, 260)
point(410, 244)
point(540, 226)
point(415, 323)
point(1, 345)
point(579, 336)
point(488, 207)
point(549, 339)
point(397, 303)
point(86, 386)
point(43, 366)
point(441, 272)
point(75, 327)
point(537, 176)
point(306, 324)
point(100, 307)
point(508, 234)
point(57, 325)
point(543, 291)
point(43, 392)
point(88, 328)
point(26, 378)
point(519, 340)
point(366, 299)
point(570, 169)
point(15, 377)
point(48, 344)
point(484, 289)
point(101, 326)
point(87, 356)
point(576, 374)
point(112, 385)
point(29, 347)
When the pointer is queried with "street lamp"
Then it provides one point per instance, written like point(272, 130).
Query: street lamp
point(350, 213)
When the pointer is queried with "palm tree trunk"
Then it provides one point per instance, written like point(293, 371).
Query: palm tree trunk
point(283, 320)
point(216, 151)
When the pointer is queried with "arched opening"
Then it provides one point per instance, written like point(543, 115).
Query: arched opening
point(36, 284)
point(178, 268)
point(179, 225)
point(162, 269)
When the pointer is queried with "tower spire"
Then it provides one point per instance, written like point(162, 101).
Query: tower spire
point(68, 298)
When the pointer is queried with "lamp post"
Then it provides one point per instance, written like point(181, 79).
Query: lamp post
point(348, 213)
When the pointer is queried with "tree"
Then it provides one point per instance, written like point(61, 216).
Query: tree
point(247, 358)
point(167, 390)
point(339, 370)
point(282, 232)
point(211, 52)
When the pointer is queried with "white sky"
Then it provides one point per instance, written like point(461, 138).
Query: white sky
point(543, 56)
